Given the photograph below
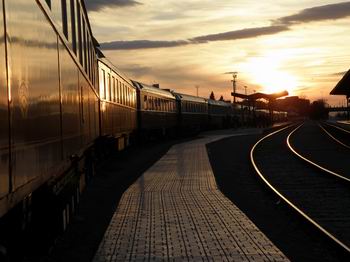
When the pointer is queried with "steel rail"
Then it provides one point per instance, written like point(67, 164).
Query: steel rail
point(338, 127)
point(331, 136)
point(302, 213)
point(311, 162)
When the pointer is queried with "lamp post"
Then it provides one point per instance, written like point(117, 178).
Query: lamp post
point(234, 77)
point(197, 87)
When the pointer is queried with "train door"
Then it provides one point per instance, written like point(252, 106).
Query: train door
point(4, 123)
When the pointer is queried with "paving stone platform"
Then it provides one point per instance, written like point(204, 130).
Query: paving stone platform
point(175, 212)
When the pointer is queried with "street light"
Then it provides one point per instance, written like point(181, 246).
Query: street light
point(234, 77)
point(197, 87)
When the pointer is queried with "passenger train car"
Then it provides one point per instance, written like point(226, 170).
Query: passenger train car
point(157, 110)
point(193, 113)
point(220, 114)
point(118, 106)
point(49, 108)
point(62, 103)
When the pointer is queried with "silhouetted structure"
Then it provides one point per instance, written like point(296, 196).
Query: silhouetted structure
point(294, 105)
point(271, 98)
point(343, 88)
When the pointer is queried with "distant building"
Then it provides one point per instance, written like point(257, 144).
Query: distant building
point(293, 105)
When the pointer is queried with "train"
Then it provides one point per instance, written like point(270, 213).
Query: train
point(62, 103)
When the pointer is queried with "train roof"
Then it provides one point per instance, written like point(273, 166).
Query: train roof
point(218, 103)
point(109, 64)
point(153, 90)
point(190, 98)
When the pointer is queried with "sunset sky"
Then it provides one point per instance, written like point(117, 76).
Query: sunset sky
point(302, 46)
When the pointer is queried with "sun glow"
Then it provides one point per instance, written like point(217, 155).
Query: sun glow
point(266, 73)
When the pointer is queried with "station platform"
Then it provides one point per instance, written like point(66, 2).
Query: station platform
point(175, 212)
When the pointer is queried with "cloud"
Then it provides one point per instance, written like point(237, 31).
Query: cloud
point(96, 5)
point(141, 44)
point(136, 70)
point(232, 35)
point(339, 73)
point(240, 34)
point(318, 13)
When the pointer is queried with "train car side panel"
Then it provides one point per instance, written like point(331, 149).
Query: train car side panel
point(4, 132)
point(34, 93)
point(70, 96)
point(85, 111)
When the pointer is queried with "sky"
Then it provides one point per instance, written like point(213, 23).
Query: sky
point(301, 46)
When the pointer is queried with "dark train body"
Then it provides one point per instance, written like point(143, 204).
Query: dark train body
point(157, 110)
point(61, 103)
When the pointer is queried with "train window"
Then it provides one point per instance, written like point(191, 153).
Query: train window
point(122, 93)
point(92, 54)
point(79, 45)
point(84, 43)
point(112, 89)
point(88, 66)
point(115, 89)
point(145, 102)
point(48, 2)
point(125, 95)
point(109, 86)
point(64, 18)
point(73, 25)
point(149, 103)
point(102, 84)
point(118, 91)
point(69, 22)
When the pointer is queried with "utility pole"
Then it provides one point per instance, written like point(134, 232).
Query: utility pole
point(234, 77)
point(197, 87)
point(245, 90)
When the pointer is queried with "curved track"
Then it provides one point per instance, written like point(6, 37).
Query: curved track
point(321, 199)
point(337, 134)
point(314, 148)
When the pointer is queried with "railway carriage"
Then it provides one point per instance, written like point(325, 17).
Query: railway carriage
point(193, 113)
point(219, 114)
point(157, 110)
point(118, 104)
point(49, 108)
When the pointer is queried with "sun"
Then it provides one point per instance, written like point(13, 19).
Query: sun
point(266, 73)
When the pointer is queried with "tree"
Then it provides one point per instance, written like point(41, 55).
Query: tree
point(221, 98)
point(212, 96)
point(318, 110)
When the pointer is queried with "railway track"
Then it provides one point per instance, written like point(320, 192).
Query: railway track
point(318, 196)
point(337, 133)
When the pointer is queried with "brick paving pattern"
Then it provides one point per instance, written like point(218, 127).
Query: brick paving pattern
point(175, 212)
